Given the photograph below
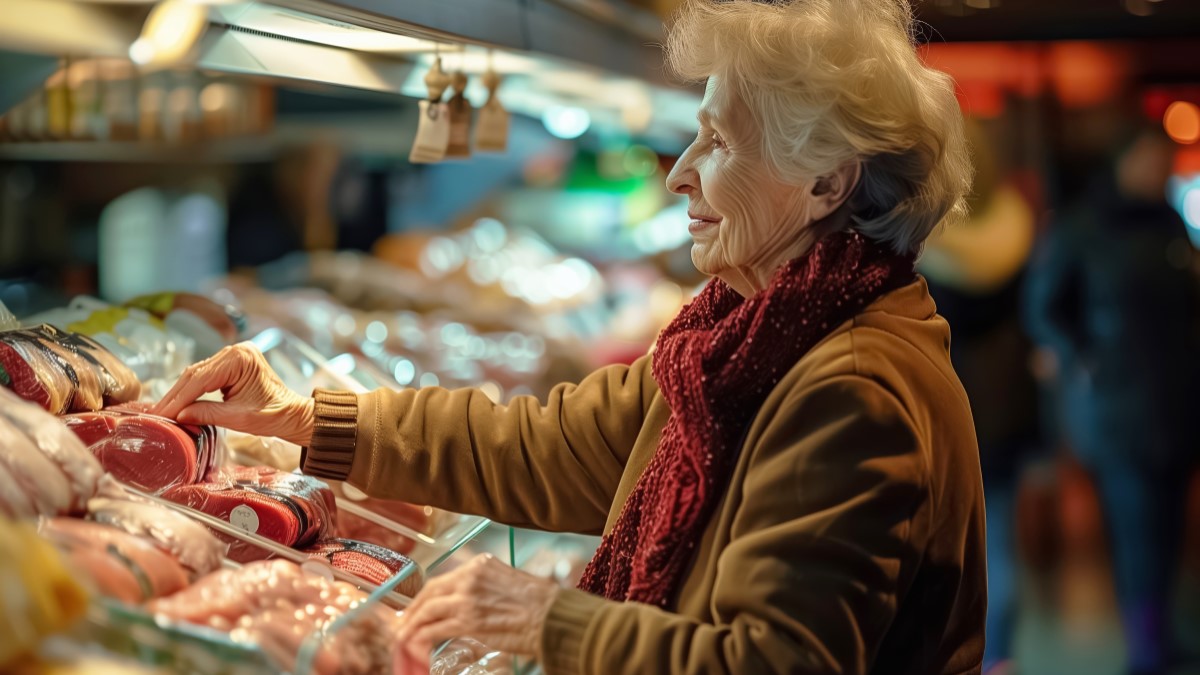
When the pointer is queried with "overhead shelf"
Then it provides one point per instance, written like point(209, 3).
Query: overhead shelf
point(134, 152)
point(608, 36)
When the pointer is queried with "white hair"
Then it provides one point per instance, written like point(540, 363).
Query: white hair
point(837, 81)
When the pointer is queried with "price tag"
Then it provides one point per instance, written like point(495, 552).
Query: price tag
point(491, 129)
point(460, 126)
point(244, 518)
point(433, 134)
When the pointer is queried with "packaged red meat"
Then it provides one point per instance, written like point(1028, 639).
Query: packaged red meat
point(368, 561)
point(291, 509)
point(156, 573)
point(48, 436)
point(277, 605)
point(63, 372)
point(190, 543)
point(148, 452)
point(33, 373)
point(140, 340)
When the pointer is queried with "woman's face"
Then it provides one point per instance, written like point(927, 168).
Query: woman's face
point(744, 221)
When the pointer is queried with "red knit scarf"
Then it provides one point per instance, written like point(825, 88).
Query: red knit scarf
point(715, 364)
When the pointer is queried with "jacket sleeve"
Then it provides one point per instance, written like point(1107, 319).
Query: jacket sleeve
point(553, 466)
point(823, 547)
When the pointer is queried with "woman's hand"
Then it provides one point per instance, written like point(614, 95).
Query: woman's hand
point(486, 600)
point(255, 400)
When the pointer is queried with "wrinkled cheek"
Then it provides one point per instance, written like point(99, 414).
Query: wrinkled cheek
point(746, 221)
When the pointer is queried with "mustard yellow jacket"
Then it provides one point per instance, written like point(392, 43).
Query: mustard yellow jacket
point(850, 541)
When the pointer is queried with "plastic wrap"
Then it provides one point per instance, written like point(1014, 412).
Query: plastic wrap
point(146, 451)
point(257, 450)
point(175, 646)
point(291, 509)
point(464, 656)
point(63, 372)
point(375, 564)
point(7, 320)
point(424, 520)
point(189, 542)
point(120, 565)
point(210, 324)
point(152, 345)
point(40, 432)
point(276, 605)
point(35, 486)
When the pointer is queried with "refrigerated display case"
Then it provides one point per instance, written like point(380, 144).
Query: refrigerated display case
point(94, 93)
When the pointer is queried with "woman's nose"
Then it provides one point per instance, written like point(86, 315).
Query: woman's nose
point(683, 177)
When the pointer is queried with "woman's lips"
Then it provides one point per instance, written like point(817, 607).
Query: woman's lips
point(700, 224)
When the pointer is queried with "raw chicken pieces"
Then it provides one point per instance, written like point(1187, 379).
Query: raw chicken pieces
point(276, 605)
point(47, 435)
point(33, 483)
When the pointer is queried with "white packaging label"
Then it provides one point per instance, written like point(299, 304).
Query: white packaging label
point(433, 134)
point(244, 518)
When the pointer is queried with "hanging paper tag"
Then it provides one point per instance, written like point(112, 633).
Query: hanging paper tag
point(491, 129)
point(460, 126)
point(433, 134)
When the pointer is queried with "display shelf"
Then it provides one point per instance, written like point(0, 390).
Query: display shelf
point(184, 647)
point(301, 367)
point(276, 550)
point(178, 646)
point(230, 151)
point(567, 29)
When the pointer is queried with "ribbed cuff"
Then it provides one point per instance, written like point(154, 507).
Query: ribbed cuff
point(330, 454)
point(564, 629)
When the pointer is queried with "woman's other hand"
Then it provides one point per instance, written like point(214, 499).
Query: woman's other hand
point(255, 400)
point(486, 600)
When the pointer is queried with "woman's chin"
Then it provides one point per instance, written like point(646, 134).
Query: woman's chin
point(706, 260)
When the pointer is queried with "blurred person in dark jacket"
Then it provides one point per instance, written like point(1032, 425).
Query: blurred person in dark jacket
point(1111, 300)
point(975, 272)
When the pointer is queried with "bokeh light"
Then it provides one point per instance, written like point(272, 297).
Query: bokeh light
point(1182, 122)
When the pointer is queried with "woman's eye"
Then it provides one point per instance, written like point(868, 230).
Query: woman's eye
point(718, 141)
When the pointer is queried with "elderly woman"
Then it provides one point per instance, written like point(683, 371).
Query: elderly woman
point(789, 483)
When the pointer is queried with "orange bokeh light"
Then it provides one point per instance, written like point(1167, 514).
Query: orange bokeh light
point(1182, 122)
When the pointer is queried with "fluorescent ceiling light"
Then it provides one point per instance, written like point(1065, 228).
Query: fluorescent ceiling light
point(300, 26)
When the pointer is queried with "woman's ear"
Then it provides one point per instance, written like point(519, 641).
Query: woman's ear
point(832, 190)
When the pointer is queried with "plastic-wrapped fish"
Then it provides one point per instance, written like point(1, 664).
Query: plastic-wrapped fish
point(63, 372)
point(188, 541)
